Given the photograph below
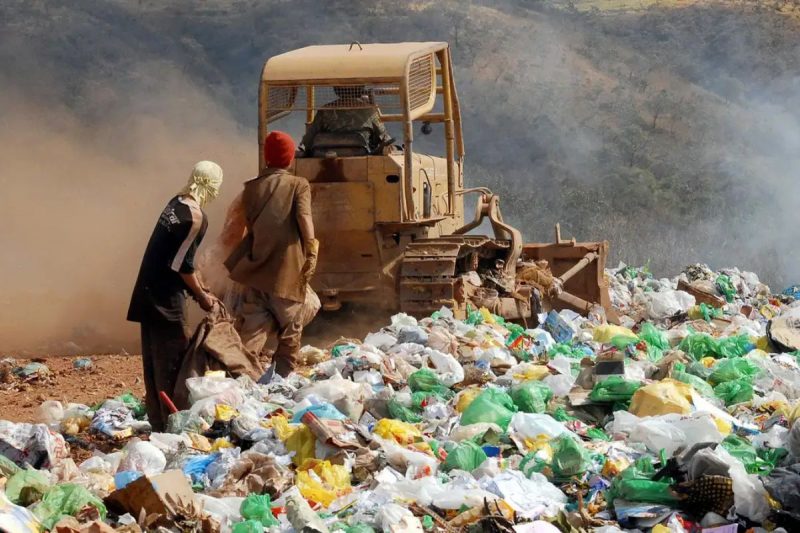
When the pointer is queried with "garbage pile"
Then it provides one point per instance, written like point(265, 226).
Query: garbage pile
point(681, 418)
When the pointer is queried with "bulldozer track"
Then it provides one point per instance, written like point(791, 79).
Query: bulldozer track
point(431, 269)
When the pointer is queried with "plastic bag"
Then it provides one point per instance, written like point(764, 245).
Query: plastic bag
point(400, 432)
point(613, 389)
point(606, 332)
point(27, 486)
point(744, 451)
point(725, 286)
point(448, 368)
point(298, 439)
point(635, 484)
point(569, 458)
point(733, 370)
point(699, 384)
point(425, 380)
point(465, 397)
point(668, 303)
point(258, 507)
point(493, 406)
point(466, 456)
point(141, 456)
point(248, 526)
point(66, 500)
point(531, 396)
point(133, 403)
point(322, 410)
point(401, 412)
point(732, 392)
point(655, 339)
point(735, 346)
point(662, 397)
point(698, 345)
point(322, 482)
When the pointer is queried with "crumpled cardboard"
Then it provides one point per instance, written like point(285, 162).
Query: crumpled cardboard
point(168, 495)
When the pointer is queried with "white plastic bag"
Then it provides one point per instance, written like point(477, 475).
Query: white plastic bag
point(142, 457)
point(531, 425)
point(446, 367)
point(668, 303)
point(394, 518)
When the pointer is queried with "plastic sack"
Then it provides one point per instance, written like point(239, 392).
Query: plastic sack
point(668, 303)
point(400, 432)
point(141, 456)
point(258, 507)
point(466, 456)
point(606, 332)
point(733, 392)
point(425, 380)
point(531, 396)
point(322, 410)
point(655, 339)
point(27, 486)
point(613, 389)
point(699, 384)
point(133, 403)
point(635, 484)
point(744, 451)
point(322, 482)
point(196, 465)
point(725, 286)
point(401, 412)
point(733, 370)
point(298, 439)
point(465, 397)
point(66, 500)
point(569, 458)
point(493, 406)
point(248, 526)
point(662, 397)
point(698, 345)
point(448, 368)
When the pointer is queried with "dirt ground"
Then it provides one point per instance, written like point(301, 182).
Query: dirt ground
point(108, 376)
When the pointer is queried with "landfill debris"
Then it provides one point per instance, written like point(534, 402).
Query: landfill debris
point(682, 417)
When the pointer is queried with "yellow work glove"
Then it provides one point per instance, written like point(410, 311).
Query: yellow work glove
point(310, 266)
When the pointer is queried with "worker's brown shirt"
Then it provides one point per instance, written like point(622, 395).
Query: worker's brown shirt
point(271, 256)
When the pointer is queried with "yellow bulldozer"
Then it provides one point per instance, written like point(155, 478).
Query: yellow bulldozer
point(391, 220)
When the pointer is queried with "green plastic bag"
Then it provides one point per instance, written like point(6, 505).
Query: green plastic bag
point(258, 507)
point(746, 453)
point(27, 486)
point(466, 456)
point(699, 369)
point(400, 412)
point(133, 403)
point(65, 500)
point(655, 339)
point(532, 464)
point(710, 312)
point(567, 350)
point(248, 526)
point(562, 415)
point(531, 396)
point(426, 381)
point(732, 392)
point(493, 406)
point(597, 434)
point(635, 484)
point(620, 342)
point(735, 346)
point(613, 389)
point(569, 458)
point(699, 384)
point(732, 370)
point(725, 286)
point(699, 345)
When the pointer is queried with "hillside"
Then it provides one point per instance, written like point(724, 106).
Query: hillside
point(670, 128)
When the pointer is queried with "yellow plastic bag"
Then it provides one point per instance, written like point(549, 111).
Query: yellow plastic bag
point(604, 333)
point(220, 443)
point(322, 482)
point(487, 316)
point(400, 432)
point(708, 362)
point(297, 438)
point(541, 446)
point(224, 413)
point(532, 372)
point(199, 442)
point(663, 397)
point(465, 398)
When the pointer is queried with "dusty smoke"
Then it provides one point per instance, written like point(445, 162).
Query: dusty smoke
point(80, 199)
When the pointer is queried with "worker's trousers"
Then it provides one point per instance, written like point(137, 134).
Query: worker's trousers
point(163, 346)
point(260, 315)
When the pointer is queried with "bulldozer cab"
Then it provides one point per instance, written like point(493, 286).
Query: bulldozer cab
point(369, 201)
point(390, 220)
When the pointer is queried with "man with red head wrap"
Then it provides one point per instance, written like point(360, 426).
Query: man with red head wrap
point(278, 254)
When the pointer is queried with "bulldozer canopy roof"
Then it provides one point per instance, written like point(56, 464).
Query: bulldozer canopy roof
point(346, 62)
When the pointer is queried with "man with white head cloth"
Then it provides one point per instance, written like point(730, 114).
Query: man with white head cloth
point(166, 274)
